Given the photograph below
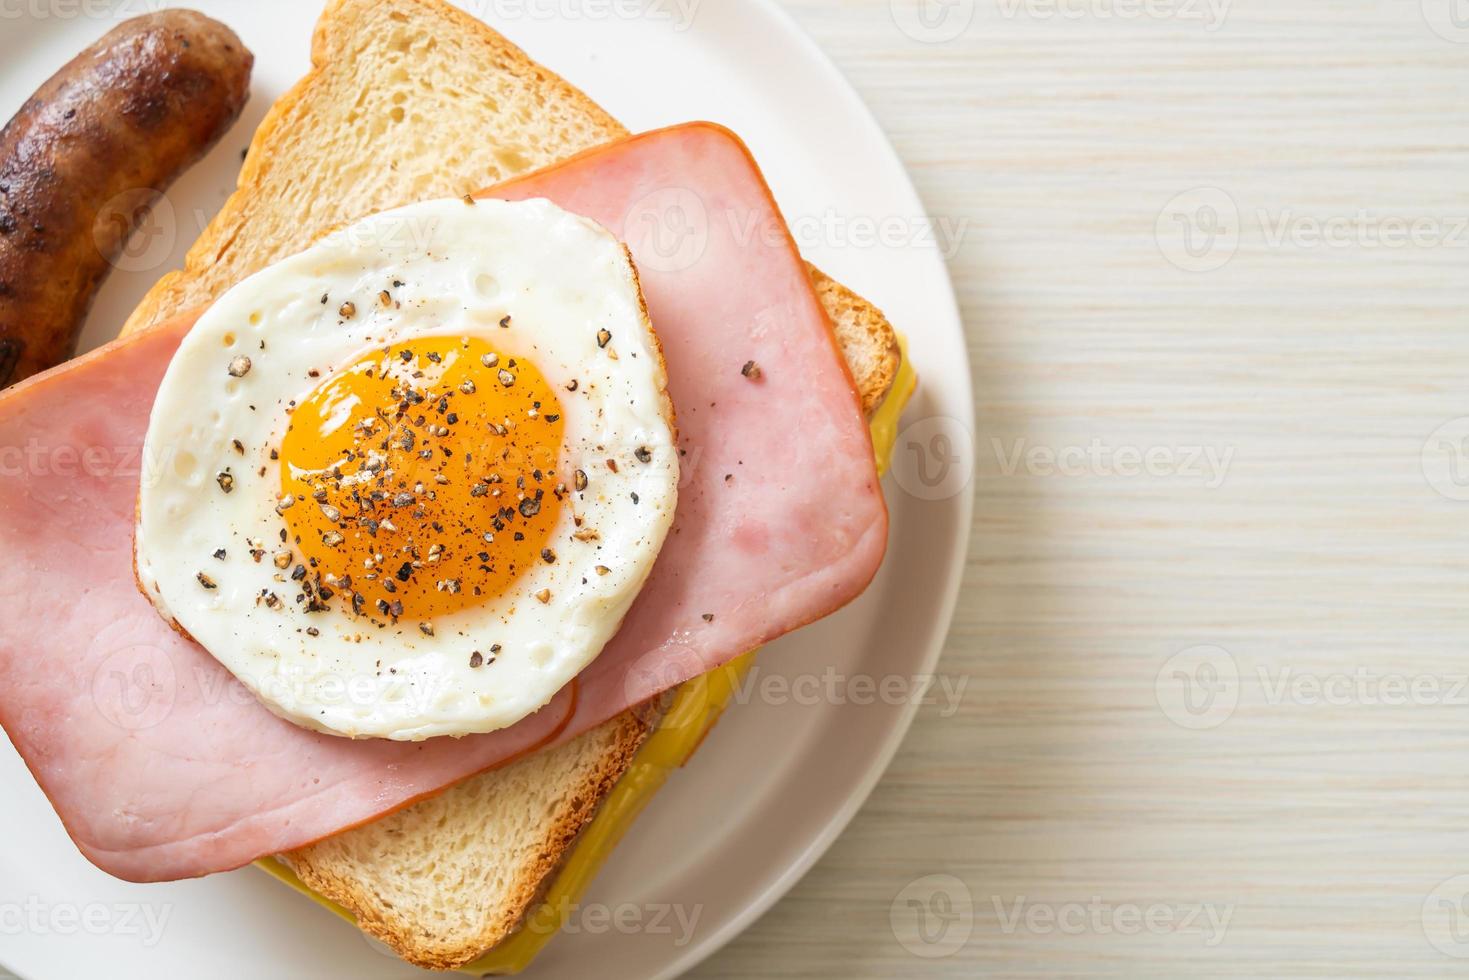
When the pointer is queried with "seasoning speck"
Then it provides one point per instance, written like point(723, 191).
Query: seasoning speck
point(206, 581)
point(603, 337)
point(544, 596)
point(347, 310)
point(751, 370)
point(239, 367)
point(476, 660)
point(226, 482)
point(708, 617)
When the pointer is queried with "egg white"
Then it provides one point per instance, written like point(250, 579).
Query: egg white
point(463, 268)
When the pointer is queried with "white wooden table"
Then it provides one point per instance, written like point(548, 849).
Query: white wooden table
point(1215, 277)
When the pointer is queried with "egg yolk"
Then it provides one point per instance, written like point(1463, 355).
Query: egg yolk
point(421, 480)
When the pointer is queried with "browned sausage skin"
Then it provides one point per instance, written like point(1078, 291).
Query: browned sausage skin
point(84, 157)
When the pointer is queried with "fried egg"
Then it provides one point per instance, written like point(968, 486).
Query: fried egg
point(408, 482)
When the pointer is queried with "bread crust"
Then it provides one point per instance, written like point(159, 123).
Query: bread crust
point(865, 337)
point(330, 44)
point(322, 868)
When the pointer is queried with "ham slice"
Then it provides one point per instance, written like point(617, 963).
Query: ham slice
point(161, 766)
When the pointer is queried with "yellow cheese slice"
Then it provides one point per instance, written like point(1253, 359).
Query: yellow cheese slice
point(696, 708)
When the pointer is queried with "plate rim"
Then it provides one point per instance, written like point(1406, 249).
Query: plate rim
point(836, 824)
point(775, 881)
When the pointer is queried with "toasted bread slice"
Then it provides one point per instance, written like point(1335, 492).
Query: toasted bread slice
point(409, 100)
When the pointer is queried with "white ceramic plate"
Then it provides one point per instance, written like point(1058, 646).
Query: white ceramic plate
point(780, 777)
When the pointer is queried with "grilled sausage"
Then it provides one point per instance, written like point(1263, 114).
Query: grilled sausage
point(87, 155)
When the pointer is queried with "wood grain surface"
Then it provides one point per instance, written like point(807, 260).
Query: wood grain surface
point(1214, 267)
